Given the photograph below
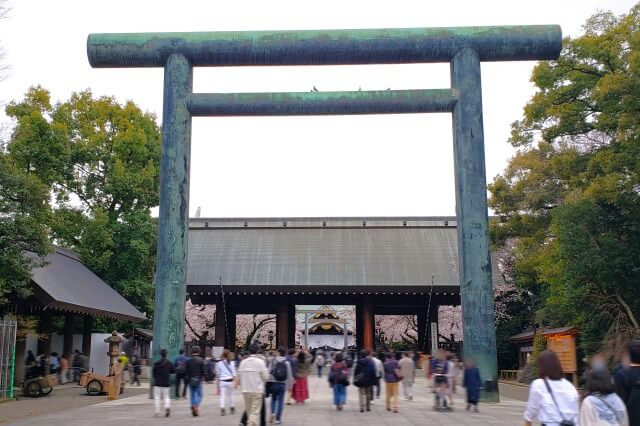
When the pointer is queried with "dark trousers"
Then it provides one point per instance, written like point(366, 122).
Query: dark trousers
point(181, 378)
point(135, 378)
point(377, 391)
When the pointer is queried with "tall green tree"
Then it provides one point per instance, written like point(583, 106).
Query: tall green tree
point(24, 209)
point(100, 160)
point(569, 200)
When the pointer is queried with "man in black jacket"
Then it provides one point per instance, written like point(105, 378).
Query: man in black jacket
point(196, 373)
point(364, 377)
point(627, 382)
point(162, 371)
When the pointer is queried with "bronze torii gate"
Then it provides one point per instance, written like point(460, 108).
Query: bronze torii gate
point(464, 48)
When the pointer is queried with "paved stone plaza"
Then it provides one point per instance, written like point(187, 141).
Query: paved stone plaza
point(318, 411)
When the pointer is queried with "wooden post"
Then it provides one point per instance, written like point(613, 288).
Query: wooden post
point(220, 338)
point(87, 329)
point(46, 328)
point(368, 324)
point(67, 346)
point(282, 324)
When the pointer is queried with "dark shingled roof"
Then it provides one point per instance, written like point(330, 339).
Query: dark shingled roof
point(65, 283)
point(300, 254)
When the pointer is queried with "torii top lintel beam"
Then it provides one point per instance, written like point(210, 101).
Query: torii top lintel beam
point(325, 47)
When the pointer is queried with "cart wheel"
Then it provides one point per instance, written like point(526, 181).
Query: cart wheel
point(46, 390)
point(94, 387)
point(33, 389)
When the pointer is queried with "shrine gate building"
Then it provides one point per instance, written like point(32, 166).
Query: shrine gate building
point(382, 265)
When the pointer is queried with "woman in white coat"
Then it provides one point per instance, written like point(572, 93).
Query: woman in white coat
point(552, 398)
point(226, 375)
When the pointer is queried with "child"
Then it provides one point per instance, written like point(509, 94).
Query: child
point(473, 383)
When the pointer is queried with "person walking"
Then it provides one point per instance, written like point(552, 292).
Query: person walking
point(54, 363)
point(226, 374)
point(392, 376)
point(280, 380)
point(408, 370)
point(602, 406)
point(162, 371)
point(339, 380)
point(301, 383)
point(627, 382)
point(64, 369)
point(553, 400)
point(196, 372)
point(472, 383)
point(136, 367)
point(123, 359)
point(320, 362)
point(292, 355)
point(378, 362)
point(364, 377)
point(180, 365)
point(452, 374)
point(252, 376)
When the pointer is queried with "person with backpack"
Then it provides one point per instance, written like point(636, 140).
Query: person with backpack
point(392, 377)
point(364, 377)
point(280, 381)
point(320, 362)
point(225, 371)
point(627, 381)
point(162, 371)
point(553, 400)
point(196, 372)
point(601, 406)
point(339, 380)
point(180, 365)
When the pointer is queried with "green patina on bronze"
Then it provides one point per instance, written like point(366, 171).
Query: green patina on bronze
point(322, 103)
point(463, 47)
point(325, 47)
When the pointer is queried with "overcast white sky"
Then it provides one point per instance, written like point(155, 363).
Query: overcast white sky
point(294, 166)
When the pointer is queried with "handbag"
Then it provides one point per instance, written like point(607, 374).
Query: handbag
point(564, 421)
point(194, 381)
point(398, 374)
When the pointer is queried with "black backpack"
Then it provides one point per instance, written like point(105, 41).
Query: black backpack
point(280, 371)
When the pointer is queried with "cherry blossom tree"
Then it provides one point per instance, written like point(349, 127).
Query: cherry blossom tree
point(250, 328)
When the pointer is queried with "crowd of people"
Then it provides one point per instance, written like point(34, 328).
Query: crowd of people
point(607, 400)
point(270, 380)
point(66, 368)
point(282, 376)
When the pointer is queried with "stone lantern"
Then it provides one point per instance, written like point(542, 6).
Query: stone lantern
point(115, 369)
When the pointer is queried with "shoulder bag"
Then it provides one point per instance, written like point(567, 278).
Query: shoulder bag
point(564, 421)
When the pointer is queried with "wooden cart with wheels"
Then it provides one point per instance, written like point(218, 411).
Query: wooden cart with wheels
point(38, 386)
point(97, 384)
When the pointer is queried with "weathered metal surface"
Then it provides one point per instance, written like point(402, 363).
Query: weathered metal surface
point(471, 210)
point(170, 285)
point(321, 103)
point(325, 47)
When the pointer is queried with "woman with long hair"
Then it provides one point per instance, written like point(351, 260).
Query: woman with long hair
point(553, 400)
point(303, 369)
point(602, 406)
point(339, 380)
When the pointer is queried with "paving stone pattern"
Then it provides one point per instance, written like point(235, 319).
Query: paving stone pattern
point(318, 411)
